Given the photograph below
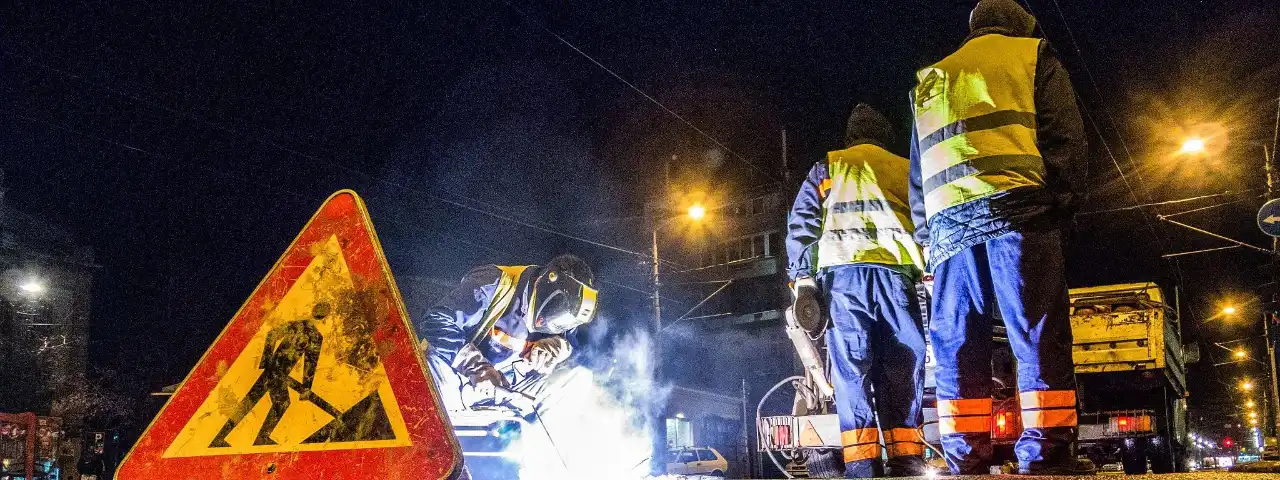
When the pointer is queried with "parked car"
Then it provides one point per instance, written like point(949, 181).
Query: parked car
point(697, 461)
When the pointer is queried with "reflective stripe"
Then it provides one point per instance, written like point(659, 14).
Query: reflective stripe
point(964, 406)
point(987, 121)
point(970, 424)
point(903, 449)
point(824, 188)
point(1056, 417)
point(902, 442)
point(979, 165)
point(976, 110)
point(1047, 399)
point(876, 205)
point(861, 452)
point(859, 436)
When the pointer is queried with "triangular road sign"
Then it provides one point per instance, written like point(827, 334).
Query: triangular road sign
point(317, 376)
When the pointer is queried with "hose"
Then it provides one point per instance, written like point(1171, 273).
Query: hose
point(760, 406)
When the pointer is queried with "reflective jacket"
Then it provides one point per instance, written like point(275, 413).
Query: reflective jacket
point(487, 310)
point(853, 209)
point(997, 144)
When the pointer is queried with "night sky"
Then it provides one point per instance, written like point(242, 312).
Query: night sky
point(187, 142)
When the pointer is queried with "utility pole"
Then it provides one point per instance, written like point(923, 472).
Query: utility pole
point(1273, 406)
point(657, 462)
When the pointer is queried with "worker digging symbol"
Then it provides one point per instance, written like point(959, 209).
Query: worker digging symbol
point(285, 346)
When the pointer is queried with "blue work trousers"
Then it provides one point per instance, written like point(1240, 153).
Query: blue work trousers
point(1020, 277)
point(876, 340)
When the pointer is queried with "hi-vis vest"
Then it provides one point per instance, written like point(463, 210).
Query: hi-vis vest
point(867, 218)
point(976, 120)
point(503, 296)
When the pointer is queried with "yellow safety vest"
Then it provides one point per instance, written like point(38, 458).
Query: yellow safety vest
point(503, 296)
point(975, 114)
point(867, 219)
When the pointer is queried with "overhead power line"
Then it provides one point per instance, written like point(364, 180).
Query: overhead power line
point(505, 217)
point(642, 93)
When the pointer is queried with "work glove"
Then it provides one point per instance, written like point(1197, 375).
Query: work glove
point(805, 304)
point(479, 372)
point(486, 380)
point(548, 352)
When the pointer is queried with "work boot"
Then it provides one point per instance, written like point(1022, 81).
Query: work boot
point(1071, 467)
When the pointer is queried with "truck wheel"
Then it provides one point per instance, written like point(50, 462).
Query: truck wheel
point(1134, 458)
point(824, 463)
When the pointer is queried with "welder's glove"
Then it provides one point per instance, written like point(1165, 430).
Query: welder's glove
point(806, 307)
point(479, 372)
point(548, 352)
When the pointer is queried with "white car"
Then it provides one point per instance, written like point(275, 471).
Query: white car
point(697, 461)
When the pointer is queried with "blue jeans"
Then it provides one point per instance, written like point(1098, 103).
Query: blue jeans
point(1021, 277)
point(876, 340)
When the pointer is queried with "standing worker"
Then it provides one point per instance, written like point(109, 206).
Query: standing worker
point(997, 156)
point(499, 315)
point(850, 234)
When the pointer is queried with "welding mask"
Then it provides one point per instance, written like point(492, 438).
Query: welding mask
point(562, 297)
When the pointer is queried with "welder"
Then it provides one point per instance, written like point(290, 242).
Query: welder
point(500, 315)
point(997, 158)
point(849, 241)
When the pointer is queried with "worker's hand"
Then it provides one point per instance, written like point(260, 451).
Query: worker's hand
point(486, 380)
point(807, 308)
point(546, 353)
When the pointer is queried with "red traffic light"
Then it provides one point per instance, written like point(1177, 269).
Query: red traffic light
point(1227, 442)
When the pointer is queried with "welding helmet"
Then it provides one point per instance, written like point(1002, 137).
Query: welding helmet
point(562, 296)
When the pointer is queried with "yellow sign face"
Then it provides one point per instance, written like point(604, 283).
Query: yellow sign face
point(310, 378)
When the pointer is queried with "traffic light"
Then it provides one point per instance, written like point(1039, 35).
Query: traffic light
point(1228, 443)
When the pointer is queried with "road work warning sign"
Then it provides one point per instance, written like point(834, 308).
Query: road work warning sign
point(317, 376)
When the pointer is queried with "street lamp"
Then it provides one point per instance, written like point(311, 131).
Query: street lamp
point(1239, 353)
point(697, 211)
point(1193, 146)
point(1249, 404)
point(32, 287)
point(1246, 385)
point(1228, 310)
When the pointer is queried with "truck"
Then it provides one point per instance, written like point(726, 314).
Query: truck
point(1129, 361)
point(1131, 367)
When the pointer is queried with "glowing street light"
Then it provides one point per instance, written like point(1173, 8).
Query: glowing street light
point(1246, 385)
point(1228, 310)
point(1239, 353)
point(697, 212)
point(1193, 146)
point(32, 287)
point(1249, 404)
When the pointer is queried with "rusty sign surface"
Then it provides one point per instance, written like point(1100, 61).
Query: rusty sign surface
point(317, 376)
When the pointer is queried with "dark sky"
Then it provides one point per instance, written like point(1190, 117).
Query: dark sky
point(189, 141)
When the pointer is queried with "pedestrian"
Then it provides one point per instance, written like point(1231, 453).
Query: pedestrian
point(997, 157)
point(849, 236)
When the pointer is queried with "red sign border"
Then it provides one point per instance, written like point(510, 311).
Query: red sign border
point(290, 465)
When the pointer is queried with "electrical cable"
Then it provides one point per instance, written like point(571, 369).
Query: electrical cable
point(642, 93)
point(760, 407)
point(510, 219)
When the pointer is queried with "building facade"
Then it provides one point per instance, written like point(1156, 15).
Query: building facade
point(46, 279)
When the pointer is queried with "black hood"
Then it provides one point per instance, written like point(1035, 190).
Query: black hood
point(1005, 17)
point(866, 125)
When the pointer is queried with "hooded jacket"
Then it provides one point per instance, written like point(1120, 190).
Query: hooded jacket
point(885, 242)
point(1060, 139)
